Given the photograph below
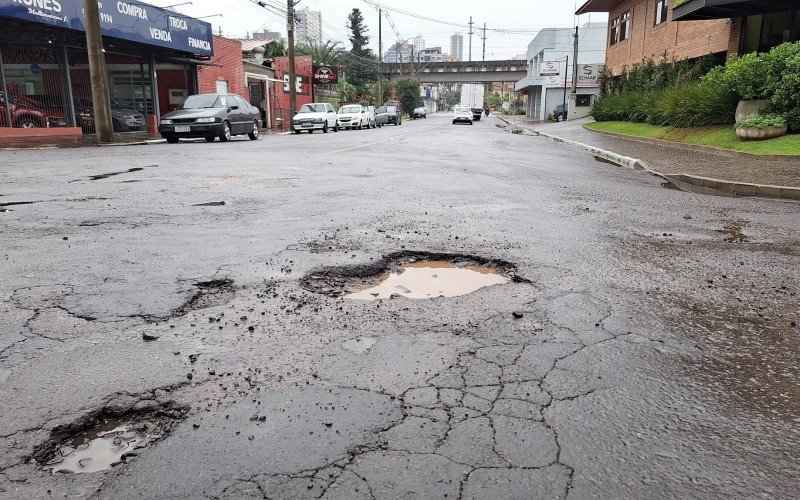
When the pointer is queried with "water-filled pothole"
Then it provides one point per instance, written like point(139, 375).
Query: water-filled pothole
point(113, 441)
point(429, 279)
point(414, 275)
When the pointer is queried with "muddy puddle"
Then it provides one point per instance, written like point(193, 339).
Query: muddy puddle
point(430, 279)
point(111, 443)
point(412, 274)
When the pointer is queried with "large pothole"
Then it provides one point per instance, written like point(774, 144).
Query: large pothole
point(105, 440)
point(413, 275)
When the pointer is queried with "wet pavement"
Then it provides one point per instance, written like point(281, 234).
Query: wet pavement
point(635, 341)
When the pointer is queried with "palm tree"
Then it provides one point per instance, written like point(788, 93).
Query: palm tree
point(327, 53)
point(276, 49)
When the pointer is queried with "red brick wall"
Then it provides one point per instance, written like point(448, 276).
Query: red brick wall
point(228, 55)
point(679, 40)
point(280, 98)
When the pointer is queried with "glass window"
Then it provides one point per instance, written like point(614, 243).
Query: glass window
point(625, 26)
point(350, 109)
point(614, 31)
point(662, 9)
point(238, 101)
point(204, 101)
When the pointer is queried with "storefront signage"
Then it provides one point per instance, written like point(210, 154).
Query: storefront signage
point(325, 75)
point(128, 20)
point(588, 74)
point(301, 84)
point(550, 68)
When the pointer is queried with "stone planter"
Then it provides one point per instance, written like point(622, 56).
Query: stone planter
point(760, 134)
point(750, 109)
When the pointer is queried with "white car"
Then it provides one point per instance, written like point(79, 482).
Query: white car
point(315, 116)
point(355, 116)
point(462, 114)
point(370, 114)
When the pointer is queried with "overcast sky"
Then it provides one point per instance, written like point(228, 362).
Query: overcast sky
point(524, 17)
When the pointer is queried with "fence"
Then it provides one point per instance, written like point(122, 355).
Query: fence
point(49, 86)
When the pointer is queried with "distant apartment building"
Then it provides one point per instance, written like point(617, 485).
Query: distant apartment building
point(651, 29)
point(550, 68)
point(433, 54)
point(419, 43)
point(308, 26)
point(267, 35)
point(457, 46)
point(400, 52)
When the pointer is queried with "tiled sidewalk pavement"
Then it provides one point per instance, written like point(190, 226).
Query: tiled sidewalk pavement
point(677, 160)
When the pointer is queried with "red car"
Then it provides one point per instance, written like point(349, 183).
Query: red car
point(27, 113)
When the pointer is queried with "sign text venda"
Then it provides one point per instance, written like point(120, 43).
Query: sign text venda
point(128, 20)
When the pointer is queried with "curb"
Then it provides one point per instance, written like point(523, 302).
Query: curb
point(697, 147)
point(690, 183)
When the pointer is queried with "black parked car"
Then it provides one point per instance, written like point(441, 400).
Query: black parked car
point(560, 113)
point(211, 116)
point(388, 114)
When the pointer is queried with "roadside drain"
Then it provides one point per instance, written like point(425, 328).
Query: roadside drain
point(112, 442)
point(413, 275)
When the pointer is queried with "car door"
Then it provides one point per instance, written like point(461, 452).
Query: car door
point(238, 115)
point(331, 115)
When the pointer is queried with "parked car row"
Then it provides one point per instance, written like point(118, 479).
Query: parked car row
point(322, 116)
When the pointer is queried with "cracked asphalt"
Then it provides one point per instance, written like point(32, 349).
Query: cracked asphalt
point(650, 350)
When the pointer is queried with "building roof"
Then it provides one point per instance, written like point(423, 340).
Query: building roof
point(249, 44)
point(719, 9)
point(598, 6)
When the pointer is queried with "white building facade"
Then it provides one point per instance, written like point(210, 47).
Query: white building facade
point(308, 26)
point(457, 46)
point(549, 80)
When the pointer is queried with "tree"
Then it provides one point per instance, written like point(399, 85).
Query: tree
point(358, 33)
point(328, 53)
point(276, 49)
point(361, 65)
point(492, 99)
point(408, 91)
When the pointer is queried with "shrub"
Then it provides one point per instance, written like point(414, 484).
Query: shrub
point(691, 105)
point(697, 105)
point(764, 121)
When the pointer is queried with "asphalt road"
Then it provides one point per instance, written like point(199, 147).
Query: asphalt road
point(653, 352)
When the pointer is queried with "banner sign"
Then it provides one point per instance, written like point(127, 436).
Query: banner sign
point(128, 20)
point(550, 68)
point(325, 74)
point(302, 86)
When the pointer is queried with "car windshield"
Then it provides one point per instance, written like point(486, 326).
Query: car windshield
point(391, 109)
point(313, 108)
point(350, 109)
point(381, 110)
point(461, 109)
point(203, 101)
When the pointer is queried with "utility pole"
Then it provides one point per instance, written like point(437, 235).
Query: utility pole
point(470, 37)
point(483, 58)
point(97, 73)
point(575, 63)
point(292, 71)
point(566, 67)
point(380, 57)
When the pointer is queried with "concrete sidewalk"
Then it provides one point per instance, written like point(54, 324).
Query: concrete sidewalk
point(717, 171)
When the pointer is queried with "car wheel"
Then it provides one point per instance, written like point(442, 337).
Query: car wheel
point(325, 129)
point(172, 140)
point(310, 131)
point(226, 132)
point(27, 122)
point(254, 134)
point(210, 138)
point(296, 131)
point(560, 118)
point(336, 128)
point(454, 122)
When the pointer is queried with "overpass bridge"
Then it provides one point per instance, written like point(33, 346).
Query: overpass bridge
point(458, 72)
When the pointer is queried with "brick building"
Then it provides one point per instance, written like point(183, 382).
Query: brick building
point(279, 92)
point(651, 29)
point(225, 73)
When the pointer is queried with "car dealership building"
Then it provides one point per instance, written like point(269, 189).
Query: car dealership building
point(152, 58)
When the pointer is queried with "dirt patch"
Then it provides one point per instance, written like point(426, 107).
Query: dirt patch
point(733, 232)
point(352, 280)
